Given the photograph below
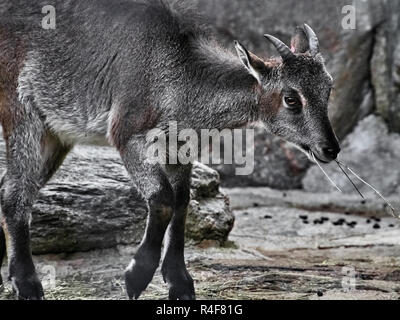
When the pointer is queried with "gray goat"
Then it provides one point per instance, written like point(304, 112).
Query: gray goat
point(112, 71)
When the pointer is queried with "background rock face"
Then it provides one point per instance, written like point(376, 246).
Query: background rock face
point(90, 204)
point(276, 164)
point(364, 62)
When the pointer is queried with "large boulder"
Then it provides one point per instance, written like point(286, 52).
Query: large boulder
point(90, 204)
point(361, 60)
point(372, 152)
point(394, 87)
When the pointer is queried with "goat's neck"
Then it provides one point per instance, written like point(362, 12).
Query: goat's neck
point(226, 96)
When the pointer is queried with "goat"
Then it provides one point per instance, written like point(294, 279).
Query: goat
point(112, 71)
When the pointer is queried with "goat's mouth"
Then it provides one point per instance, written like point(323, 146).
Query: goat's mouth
point(316, 156)
point(312, 155)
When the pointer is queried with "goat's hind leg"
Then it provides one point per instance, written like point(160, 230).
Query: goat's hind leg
point(3, 249)
point(173, 266)
point(33, 156)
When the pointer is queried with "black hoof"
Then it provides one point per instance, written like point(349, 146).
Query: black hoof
point(180, 284)
point(28, 288)
point(137, 278)
point(182, 292)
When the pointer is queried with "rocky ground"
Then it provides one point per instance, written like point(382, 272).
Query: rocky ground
point(291, 245)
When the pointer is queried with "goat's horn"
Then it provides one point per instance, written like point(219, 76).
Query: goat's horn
point(312, 39)
point(282, 48)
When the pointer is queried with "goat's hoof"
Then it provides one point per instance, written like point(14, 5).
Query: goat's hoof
point(137, 278)
point(181, 286)
point(182, 292)
point(27, 288)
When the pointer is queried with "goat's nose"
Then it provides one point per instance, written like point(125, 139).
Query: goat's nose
point(331, 152)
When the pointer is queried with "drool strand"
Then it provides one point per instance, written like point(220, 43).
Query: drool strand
point(326, 175)
point(393, 210)
point(351, 181)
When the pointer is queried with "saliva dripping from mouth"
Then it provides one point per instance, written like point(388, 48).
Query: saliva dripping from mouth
point(343, 167)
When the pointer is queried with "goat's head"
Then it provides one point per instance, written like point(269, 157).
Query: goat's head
point(294, 92)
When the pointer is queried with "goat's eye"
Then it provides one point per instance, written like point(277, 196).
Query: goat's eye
point(292, 102)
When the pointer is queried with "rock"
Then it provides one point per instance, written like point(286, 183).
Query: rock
point(89, 204)
point(279, 258)
point(394, 120)
point(372, 152)
point(380, 74)
point(205, 181)
point(384, 64)
point(209, 219)
point(348, 203)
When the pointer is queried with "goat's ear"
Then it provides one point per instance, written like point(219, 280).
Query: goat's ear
point(305, 40)
point(252, 63)
point(300, 43)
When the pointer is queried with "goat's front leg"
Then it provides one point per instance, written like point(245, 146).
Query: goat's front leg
point(173, 267)
point(152, 183)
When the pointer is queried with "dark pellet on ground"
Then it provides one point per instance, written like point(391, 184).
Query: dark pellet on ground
point(352, 224)
point(325, 219)
point(338, 223)
point(347, 213)
point(256, 205)
point(267, 217)
point(245, 213)
point(303, 217)
point(320, 294)
point(366, 277)
point(284, 195)
point(377, 219)
point(377, 226)
point(318, 221)
point(305, 222)
point(363, 202)
point(391, 225)
point(368, 221)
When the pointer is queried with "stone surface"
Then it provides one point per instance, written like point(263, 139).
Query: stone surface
point(209, 219)
point(274, 255)
point(394, 108)
point(349, 203)
point(372, 153)
point(90, 204)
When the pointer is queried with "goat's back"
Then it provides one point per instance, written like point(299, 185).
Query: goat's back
point(101, 54)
